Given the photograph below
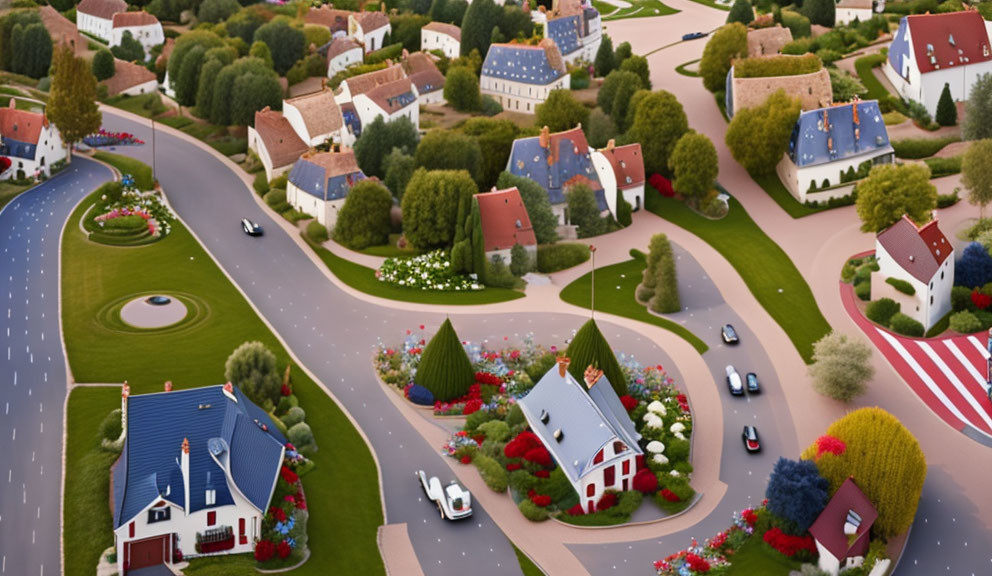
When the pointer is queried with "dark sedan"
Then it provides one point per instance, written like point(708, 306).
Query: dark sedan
point(750, 438)
point(693, 35)
point(729, 334)
point(753, 386)
point(250, 228)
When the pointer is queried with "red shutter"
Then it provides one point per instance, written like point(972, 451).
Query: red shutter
point(598, 458)
point(130, 530)
point(242, 538)
point(211, 518)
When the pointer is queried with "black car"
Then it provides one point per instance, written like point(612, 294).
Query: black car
point(693, 35)
point(750, 438)
point(753, 386)
point(250, 228)
point(729, 334)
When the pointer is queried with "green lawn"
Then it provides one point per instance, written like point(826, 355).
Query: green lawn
point(615, 287)
point(217, 137)
point(765, 268)
point(97, 279)
point(773, 186)
point(528, 567)
point(363, 279)
point(639, 9)
point(390, 250)
point(10, 191)
point(755, 557)
point(141, 172)
point(864, 66)
point(683, 69)
point(147, 105)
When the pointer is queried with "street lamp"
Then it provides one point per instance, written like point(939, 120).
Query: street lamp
point(592, 291)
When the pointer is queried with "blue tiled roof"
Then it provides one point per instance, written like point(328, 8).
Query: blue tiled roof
point(218, 430)
point(812, 144)
point(16, 149)
point(565, 32)
point(351, 119)
point(519, 63)
point(530, 160)
point(312, 179)
point(899, 47)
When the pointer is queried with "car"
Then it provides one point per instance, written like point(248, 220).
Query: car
point(750, 438)
point(453, 501)
point(250, 228)
point(734, 381)
point(693, 35)
point(729, 334)
point(753, 386)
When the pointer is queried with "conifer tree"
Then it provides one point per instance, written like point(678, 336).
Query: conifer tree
point(947, 111)
point(590, 348)
point(444, 368)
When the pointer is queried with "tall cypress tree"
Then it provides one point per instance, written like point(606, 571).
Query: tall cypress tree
point(444, 368)
point(590, 348)
point(947, 111)
point(72, 99)
point(477, 26)
point(604, 57)
point(741, 12)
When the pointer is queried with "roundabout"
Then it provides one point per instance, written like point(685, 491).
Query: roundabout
point(156, 311)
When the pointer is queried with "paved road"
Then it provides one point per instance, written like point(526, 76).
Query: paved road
point(32, 370)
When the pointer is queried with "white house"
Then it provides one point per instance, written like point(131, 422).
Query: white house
point(575, 27)
point(841, 531)
point(848, 11)
point(195, 476)
point(275, 142)
point(388, 93)
point(505, 224)
point(343, 53)
point(96, 17)
point(422, 71)
point(319, 183)
point(930, 50)
point(520, 76)
point(441, 36)
point(326, 15)
point(921, 256)
point(586, 430)
point(316, 118)
point(369, 29)
point(621, 169)
point(29, 141)
point(130, 79)
point(144, 27)
point(832, 147)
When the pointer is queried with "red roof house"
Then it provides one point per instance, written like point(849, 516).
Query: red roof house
point(919, 251)
point(841, 530)
point(505, 222)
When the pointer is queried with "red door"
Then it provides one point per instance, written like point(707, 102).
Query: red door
point(609, 476)
point(148, 552)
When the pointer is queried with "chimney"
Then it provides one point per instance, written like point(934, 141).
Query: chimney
point(168, 385)
point(125, 392)
point(545, 138)
point(562, 366)
point(591, 376)
point(229, 392)
point(610, 145)
point(184, 467)
point(405, 54)
point(12, 104)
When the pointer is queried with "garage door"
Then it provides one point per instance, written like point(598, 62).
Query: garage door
point(147, 552)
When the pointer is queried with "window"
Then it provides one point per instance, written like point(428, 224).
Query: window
point(211, 497)
point(159, 514)
point(931, 285)
point(598, 458)
point(590, 492)
point(618, 447)
point(931, 299)
point(609, 476)
point(242, 537)
point(626, 467)
point(941, 274)
point(211, 518)
point(130, 530)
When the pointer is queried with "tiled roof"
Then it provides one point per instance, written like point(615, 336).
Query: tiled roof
point(942, 41)
point(555, 162)
point(560, 8)
point(766, 41)
point(445, 28)
point(341, 45)
point(127, 75)
point(101, 8)
point(281, 141)
point(856, 4)
point(504, 220)
point(326, 15)
point(131, 19)
point(364, 82)
point(540, 65)
point(842, 131)
point(218, 430)
point(422, 71)
point(393, 96)
point(919, 251)
point(61, 28)
point(566, 32)
point(370, 21)
point(828, 529)
point(813, 90)
point(320, 112)
point(21, 125)
point(627, 163)
point(327, 175)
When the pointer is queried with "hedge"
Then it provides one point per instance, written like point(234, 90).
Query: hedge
point(777, 66)
point(965, 322)
point(944, 166)
point(555, 257)
point(960, 298)
point(261, 185)
point(391, 52)
point(863, 290)
point(532, 511)
point(882, 311)
point(918, 148)
point(947, 200)
point(797, 23)
point(317, 232)
point(276, 199)
point(493, 474)
point(902, 324)
point(901, 285)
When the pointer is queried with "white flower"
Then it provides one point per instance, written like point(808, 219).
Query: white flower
point(680, 436)
point(652, 420)
point(674, 473)
point(660, 459)
point(655, 447)
point(658, 408)
point(677, 427)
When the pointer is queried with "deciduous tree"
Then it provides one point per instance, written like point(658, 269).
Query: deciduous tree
point(431, 207)
point(399, 168)
point(461, 89)
point(379, 138)
point(185, 63)
point(611, 87)
point(759, 136)
point(978, 110)
point(976, 174)
point(252, 368)
point(103, 65)
point(890, 191)
point(449, 150)
point(215, 11)
point(285, 42)
point(694, 165)
point(638, 65)
point(561, 111)
point(584, 212)
point(495, 138)
point(841, 367)
point(741, 12)
point(32, 50)
point(659, 121)
point(72, 98)
point(364, 219)
point(822, 12)
point(535, 198)
point(477, 26)
point(727, 43)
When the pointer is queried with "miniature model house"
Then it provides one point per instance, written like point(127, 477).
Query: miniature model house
point(841, 530)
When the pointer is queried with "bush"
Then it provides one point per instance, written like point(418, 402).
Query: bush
point(944, 167)
point(276, 199)
point(317, 232)
point(555, 257)
point(444, 368)
point(901, 286)
point(294, 416)
point(532, 511)
point(422, 396)
point(964, 322)
point(903, 324)
point(252, 368)
point(580, 79)
point(495, 430)
point(797, 23)
point(300, 435)
point(918, 148)
point(490, 106)
point(474, 420)
point(287, 402)
point(960, 298)
point(776, 66)
point(493, 474)
point(947, 200)
point(645, 481)
point(111, 428)
point(261, 185)
point(863, 291)
point(797, 493)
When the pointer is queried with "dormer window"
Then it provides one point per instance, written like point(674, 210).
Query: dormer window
point(211, 497)
point(159, 513)
point(950, 39)
point(929, 49)
point(598, 458)
point(545, 417)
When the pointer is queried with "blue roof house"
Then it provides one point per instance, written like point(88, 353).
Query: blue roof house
point(833, 147)
point(197, 465)
point(319, 183)
point(586, 429)
point(521, 76)
point(575, 27)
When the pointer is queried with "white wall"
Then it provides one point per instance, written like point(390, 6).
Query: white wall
point(258, 146)
point(368, 111)
point(931, 303)
point(325, 212)
point(847, 15)
point(146, 88)
point(435, 97)
point(48, 151)
point(149, 36)
point(607, 178)
point(344, 60)
point(371, 40)
point(634, 196)
point(99, 27)
point(828, 562)
point(432, 40)
point(520, 97)
point(596, 476)
point(797, 179)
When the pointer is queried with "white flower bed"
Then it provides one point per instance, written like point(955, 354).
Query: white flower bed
point(431, 271)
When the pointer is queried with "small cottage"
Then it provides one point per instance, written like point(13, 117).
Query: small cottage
point(30, 141)
point(143, 27)
point(369, 29)
point(521, 76)
point(319, 183)
point(505, 224)
point(441, 36)
point(621, 169)
point(96, 17)
point(841, 530)
point(275, 142)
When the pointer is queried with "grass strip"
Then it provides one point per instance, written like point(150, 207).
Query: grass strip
point(141, 172)
point(683, 69)
point(526, 564)
point(773, 186)
point(864, 67)
point(756, 557)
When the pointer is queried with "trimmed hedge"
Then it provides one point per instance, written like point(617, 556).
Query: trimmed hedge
point(960, 298)
point(261, 185)
point(919, 148)
point(964, 322)
point(901, 285)
point(944, 166)
point(777, 66)
point(493, 474)
point(947, 200)
point(317, 232)
point(276, 199)
point(444, 368)
point(555, 257)
point(797, 23)
point(882, 311)
point(902, 324)
point(532, 511)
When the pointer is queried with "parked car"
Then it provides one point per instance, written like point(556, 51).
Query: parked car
point(734, 381)
point(729, 334)
point(693, 35)
point(753, 386)
point(250, 228)
point(750, 438)
point(453, 501)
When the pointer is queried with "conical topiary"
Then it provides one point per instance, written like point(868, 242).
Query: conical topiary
point(590, 348)
point(445, 369)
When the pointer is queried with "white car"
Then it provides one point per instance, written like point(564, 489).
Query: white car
point(453, 501)
point(734, 381)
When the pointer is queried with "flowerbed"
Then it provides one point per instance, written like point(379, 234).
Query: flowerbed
point(126, 215)
point(713, 556)
point(431, 271)
point(104, 138)
point(284, 528)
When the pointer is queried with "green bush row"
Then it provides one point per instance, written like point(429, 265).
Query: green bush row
point(493, 474)
point(903, 324)
point(918, 148)
point(627, 503)
point(555, 257)
point(317, 232)
point(882, 310)
point(901, 285)
point(947, 200)
point(777, 66)
point(944, 166)
point(532, 511)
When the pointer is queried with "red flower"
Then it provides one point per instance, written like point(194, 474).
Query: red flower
point(628, 402)
point(288, 475)
point(264, 549)
point(646, 481)
point(669, 495)
point(662, 185)
point(520, 445)
point(471, 406)
point(539, 455)
point(541, 500)
point(286, 390)
point(697, 564)
point(512, 466)
point(829, 444)
point(981, 301)
point(466, 459)
point(789, 545)
point(750, 517)
point(283, 549)
point(576, 510)
point(278, 514)
point(479, 438)
point(606, 501)
point(542, 474)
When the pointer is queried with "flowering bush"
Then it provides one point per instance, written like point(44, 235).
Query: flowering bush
point(147, 206)
point(669, 495)
point(539, 456)
point(980, 300)
point(606, 501)
point(645, 481)
point(105, 138)
point(431, 271)
point(711, 556)
point(288, 475)
point(521, 445)
point(697, 564)
point(829, 444)
point(629, 403)
point(787, 544)
point(264, 550)
point(539, 500)
point(419, 395)
point(283, 549)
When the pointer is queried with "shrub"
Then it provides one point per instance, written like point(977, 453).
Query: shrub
point(493, 474)
point(444, 368)
point(364, 220)
point(944, 167)
point(111, 428)
point(555, 257)
point(495, 430)
point(300, 435)
point(645, 481)
point(422, 396)
point(901, 286)
point(797, 23)
point(863, 291)
point(677, 450)
point(918, 148)
point(881, 311)
point(960, 298)
point(797, 493)
point(252, 368)
point(580, 79)
point(776, 66)
point(947, 200)
point(964, 322)
point(276, 199)
point(474, 420)
point(294, 416)
point(903, 324)
point(974, 268)
point(261, 185)
point(532, 511)
point(842, 368)
point(287, 402)
point(590, 348)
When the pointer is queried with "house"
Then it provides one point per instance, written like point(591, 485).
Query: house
point(341, 54)
point(841, 530)
point(369, 29)
point(575, 27)
point(848, 11)
point(319, 183)
point(813, 89)
point(922, 256)
point(30, 141)
point(144, 27)
point(621, 169)
point(442, 36)
point(586, 429)
point(275, 142)
point(326, 15)
point(557, 162)
point(505, 223)
point(388, 93)
point(767, 41)
point(198, 465)
point(520, 76)
point(422, 71)
point(61, 29)
point(96, 17)
point(930, 50)
point(316, 118)
point(832, 147)
point(130, 79)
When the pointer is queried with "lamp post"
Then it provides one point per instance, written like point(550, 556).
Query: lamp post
point(592, 291)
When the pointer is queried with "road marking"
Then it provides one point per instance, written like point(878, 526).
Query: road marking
point(953, 379)
point(14, 436)
point(964, 362)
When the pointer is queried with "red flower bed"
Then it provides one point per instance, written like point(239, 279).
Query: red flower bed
point(646, 481)
point(829, 444)
point(466, 459)
point(662, 185)
point(981, 301)
point(750, 517)
point(288, 475)
point(286, 390)
point(539, 456)
point(669, 495)
point(683, 403)
point(488, 379)
point(543, 473)
point(697, 564)
point(523, 443)
point(277, 514)
point(471, 406)
point(264, 550)
point(789, 545)
point(512, 466)
point(629, 403)
point(541, 500)
point(576, 510)
point(283, 549)
point(479, 438)
point(606, 501)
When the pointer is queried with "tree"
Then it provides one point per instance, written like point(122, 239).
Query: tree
point(796, 493)
point(252, 368)
point(974, 269)
point(561, 111)
point(364, 219)
point(821, 12)
point(885, 461)
point(611, 88)
point(604, 57)
point(759, 136)
point(622, 52)
point(431, 207)
point(444, 367)
point(72, 98)
point(103, 65)
point(515, 23)
point(659, 286)
point(976, 174)
point(399, 168)
point(947, 110)
point(242, 88)
point(599, 129)
point(890, 191)
point(209, 71)
point(978, 110)
point(448, 150)
point(590, 348)
point(841, 367)
point(584, 212)
point(535, 198)
point(261, 51)
point(477, 26)
point(215, 11)
point(33, 50)
point(185, 62)
point(741, 12)
point(244, 24)
point(659, 121)
point(461, 89)
point(285, 42)
point(638, 65)
point(520, 261)
point(406, 29)
point(695, 165)
point(622, 101)
point(379, 139)
point(727, 43)
point(495, 139)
